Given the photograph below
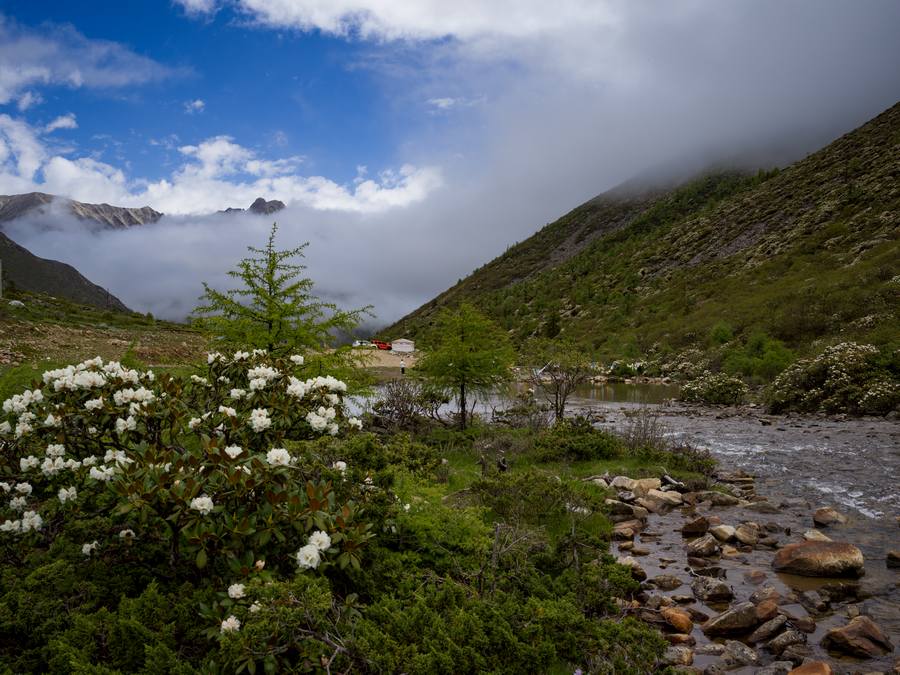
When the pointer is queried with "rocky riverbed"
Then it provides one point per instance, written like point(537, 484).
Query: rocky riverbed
point(720, 570)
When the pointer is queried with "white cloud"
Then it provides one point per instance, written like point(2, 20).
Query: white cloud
point(67, 121)
point(213, 175)
point(195, 106)
point(61, 56)
point(197, 7)
point(27, 100)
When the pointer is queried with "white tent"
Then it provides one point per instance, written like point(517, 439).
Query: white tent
point(403, 345)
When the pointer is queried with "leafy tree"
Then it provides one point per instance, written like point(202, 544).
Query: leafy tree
point(470, 354)
point(274, 308)
point(556, 368)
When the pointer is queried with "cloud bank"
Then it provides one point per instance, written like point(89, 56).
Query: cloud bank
point(530, 108)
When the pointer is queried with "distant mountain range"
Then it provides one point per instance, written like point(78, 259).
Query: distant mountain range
point(805, 254)
point(30, 273)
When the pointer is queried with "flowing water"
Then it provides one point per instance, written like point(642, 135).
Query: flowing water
point(801, 463)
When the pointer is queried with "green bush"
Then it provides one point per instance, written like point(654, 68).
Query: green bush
point(847, 377)
point(575, 439)
point(715, 388)
point(761, 358)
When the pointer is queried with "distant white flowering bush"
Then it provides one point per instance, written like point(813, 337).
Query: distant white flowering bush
point(717, 388)
point(200, 465)
point(847, 377)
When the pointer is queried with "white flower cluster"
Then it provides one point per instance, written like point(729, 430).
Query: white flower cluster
point(237, 393)
point(323, 420)
point(259, 419)
point(87, 549)
point(212, 357)
point(66, 494)
point(19, 403)
point(236, 591)
point(31, 520)
point(279, 457)
point(141, 396)
point(309, 556)
point(233, 451)
point(230, 625)
point(225, 410)
point(260, 377)
point(128, 424)
point(241, 356)
point(296, 358)
point(203, 504)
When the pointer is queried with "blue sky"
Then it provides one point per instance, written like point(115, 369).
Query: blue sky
point(412, 140)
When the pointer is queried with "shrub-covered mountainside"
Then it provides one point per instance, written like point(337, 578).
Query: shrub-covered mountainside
point(807, 254)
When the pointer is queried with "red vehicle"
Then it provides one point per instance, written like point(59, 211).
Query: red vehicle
point(382, 345)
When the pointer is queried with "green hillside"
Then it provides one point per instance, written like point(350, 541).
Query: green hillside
point(805, 255)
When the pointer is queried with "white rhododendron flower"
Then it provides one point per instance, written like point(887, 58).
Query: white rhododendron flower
point(103, 473)
point(296, 358)
point(308, 557)
point(199, 380)
point(241, 356)
point(203, 504)
point(94, 404)
point(237, 393)
point(259, 419)
point(65, 494)
point(230, 625)
point(18, 503)
point(320, 540)
point(212, 357)
point(55, 450)
point(28, 463)
point(24, 488)
point(278, 457)
point(194, 422)
point(233, 451)
point(236, 591)
point(340, 466)
point(355, 422)
point(255, 607)
point(51, 421)
point(126, 534)
point(5, 428)
point(129, 424)
point(87, 549)
point(31, 520)
point(231, 412)
point(11, 526)
point(52, 466)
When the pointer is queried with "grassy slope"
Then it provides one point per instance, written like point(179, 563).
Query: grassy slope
point(806, 254)
point(51, 332)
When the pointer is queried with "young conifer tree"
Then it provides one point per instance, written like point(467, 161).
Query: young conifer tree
point(273, 307)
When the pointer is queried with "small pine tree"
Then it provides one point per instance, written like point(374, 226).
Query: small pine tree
point(469, 355)
point(273, 307)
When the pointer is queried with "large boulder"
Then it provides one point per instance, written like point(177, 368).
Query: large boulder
point(671, 498)
point(738, 619)
point(820, 559)
point(678, 619)
point(785, 640)
point(861, 637)
point(738, 654)
point(723, 532)
point(718, 498)
point(642, 486)
point(827, 516)
point(747, 533)
point(769, 629)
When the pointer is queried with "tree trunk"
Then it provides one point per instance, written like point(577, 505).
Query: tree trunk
point(462, 406)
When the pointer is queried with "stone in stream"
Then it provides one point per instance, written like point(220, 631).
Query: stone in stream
point(642, 486)
point(678, 656)
point(617, 508)
point(666, 582)
point(707, 589)
point(861, 637)
point(815, 535)
point(827, 516)
point(763, 507)
point(893, 559)
point(710, 649)
point(639, 550)
point(678, 619)
point(718, 498)
point(600, 483)
point(785, 640)
point(769, 629)
point(696, 526)
point(627, 529)
point(813, 601)
point(722, 532)
point(671, 498)
point(747, 533)
point(703, 547)
point(797, 653)
point(766, 610)
point(820, 559)
point(738, 619)
point(776, 668)
point(738, 654)
point(680, 639)
point(765, 593)
point(622, 483)
point(755, 577)
point(812, 668)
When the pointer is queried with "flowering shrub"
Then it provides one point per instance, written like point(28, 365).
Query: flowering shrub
point(716, 388)
point(847, 377)
point(199, 466)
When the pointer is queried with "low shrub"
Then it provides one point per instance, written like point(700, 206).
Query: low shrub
point(715, 388)
point(847, 377)
point(576, 439)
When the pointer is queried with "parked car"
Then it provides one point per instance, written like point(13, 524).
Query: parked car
point(365, 344)
point(382, 345)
